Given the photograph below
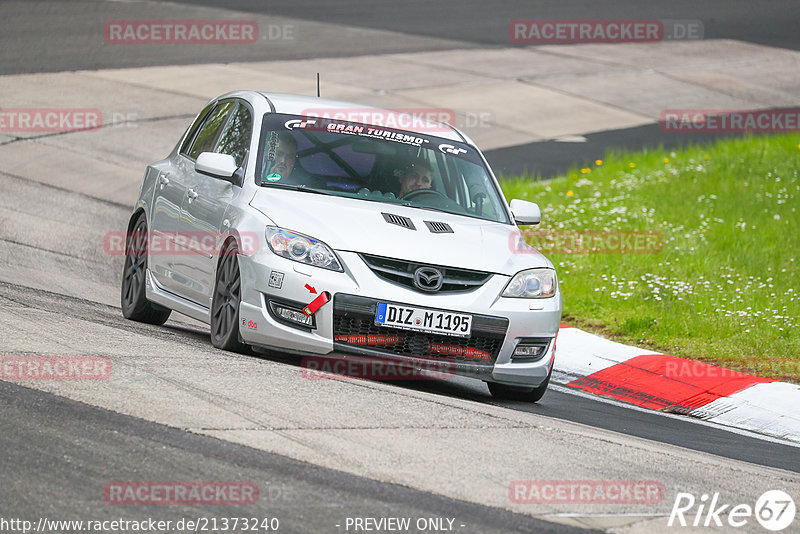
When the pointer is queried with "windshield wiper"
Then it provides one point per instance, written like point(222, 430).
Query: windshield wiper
point(298, 187)
point(410, 205)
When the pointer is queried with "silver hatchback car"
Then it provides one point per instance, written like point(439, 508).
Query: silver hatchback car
point(327, 229)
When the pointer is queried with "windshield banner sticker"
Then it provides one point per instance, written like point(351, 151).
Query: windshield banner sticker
point(378, 133)
point(381, 132)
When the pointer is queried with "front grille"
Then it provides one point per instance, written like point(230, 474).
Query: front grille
point(402, 272)
point(354, 328)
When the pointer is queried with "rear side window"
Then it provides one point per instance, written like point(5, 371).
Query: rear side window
point(235, 139)
point(206, 138)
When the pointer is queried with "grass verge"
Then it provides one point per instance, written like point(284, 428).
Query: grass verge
point(724, 287)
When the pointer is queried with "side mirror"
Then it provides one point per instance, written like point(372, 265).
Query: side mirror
point(525, 212)
point(216, 165)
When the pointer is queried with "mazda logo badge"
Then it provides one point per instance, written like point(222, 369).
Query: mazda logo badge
point(428, 279)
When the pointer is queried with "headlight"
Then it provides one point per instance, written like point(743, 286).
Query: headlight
point(532, 284)
point(301, 248)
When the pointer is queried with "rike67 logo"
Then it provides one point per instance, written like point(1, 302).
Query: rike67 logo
point(774, 510)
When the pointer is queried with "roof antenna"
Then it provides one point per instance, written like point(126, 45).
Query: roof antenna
point(318, 85)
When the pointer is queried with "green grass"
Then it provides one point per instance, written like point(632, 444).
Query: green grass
point(725, 287)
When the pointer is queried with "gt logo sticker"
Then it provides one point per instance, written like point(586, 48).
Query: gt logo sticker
point(450, 149)
point(297, 123)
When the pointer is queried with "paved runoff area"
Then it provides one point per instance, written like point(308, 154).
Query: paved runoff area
point(60, 193)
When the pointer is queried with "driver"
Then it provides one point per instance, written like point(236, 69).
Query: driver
point(417, 175)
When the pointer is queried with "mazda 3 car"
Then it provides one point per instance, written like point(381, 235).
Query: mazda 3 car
point(329, 229)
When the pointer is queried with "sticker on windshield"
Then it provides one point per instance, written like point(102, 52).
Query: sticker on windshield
point(274, 177)
point(450, 149)
point(297, 123)
point(273, 145)
point(376, 133)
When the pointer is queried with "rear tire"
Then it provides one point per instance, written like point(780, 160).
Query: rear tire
point(133, 296)
point(225, 303)
point(518, 393)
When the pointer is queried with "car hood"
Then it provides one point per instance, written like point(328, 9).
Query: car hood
point(355, 225)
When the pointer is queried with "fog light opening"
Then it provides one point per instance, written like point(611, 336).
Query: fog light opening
point(530, 351)
point(291, 315)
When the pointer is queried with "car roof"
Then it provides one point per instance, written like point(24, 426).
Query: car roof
point(302, 105)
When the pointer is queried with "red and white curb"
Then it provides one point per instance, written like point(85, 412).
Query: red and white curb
point(638, 376)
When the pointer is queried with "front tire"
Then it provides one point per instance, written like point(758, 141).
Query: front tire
point(225, 303)
point(518, 393)
point(133, 297)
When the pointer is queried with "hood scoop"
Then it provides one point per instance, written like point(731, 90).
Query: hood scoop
point(437, 227)
point(399, 220)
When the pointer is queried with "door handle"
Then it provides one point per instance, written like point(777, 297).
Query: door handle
point(163, 180)
point(191, 194)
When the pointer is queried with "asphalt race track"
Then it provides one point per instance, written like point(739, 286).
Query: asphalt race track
point(30, 43)
point(355, 28)
point(320, 451)
point(85, 439)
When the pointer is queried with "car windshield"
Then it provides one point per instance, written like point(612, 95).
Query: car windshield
point(376, 164)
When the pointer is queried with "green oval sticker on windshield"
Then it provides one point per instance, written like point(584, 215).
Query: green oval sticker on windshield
point(273, 177)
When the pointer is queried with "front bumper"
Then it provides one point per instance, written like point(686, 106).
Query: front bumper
point(499, 324)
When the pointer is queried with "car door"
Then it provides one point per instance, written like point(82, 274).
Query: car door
point(172, 180)
point(206, 202)
point(177, 278)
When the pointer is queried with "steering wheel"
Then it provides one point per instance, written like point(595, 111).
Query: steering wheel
point(433, 193)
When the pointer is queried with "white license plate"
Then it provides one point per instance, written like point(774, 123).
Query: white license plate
point(423, 320)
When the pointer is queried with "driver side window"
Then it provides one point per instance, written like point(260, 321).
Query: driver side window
point(235, 139)
point(206, 138)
